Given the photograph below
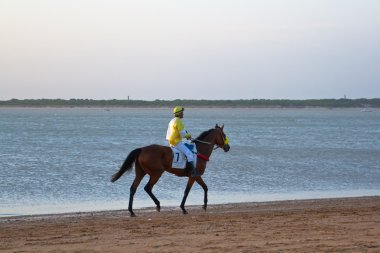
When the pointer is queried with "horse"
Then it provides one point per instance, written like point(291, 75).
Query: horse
point(155, 159)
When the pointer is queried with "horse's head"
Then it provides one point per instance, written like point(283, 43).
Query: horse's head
point(221, 138)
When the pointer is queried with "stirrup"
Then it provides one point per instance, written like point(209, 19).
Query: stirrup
point(193, 170)
point(195, 173)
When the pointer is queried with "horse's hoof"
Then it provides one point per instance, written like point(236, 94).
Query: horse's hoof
point(204, 208)
point(184, 212)
point(158, 209)
point(133, 214)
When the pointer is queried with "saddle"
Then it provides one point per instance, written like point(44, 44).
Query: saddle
point(179, 159)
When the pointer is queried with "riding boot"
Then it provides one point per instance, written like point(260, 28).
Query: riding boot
point(191, 167)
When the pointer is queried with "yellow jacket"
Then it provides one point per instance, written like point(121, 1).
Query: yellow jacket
point(176, 131)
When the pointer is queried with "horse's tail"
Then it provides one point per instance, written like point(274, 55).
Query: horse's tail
point(127, 165)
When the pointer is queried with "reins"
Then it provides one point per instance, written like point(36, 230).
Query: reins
point(204, 142)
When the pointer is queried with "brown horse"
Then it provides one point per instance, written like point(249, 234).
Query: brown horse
point(155, 159)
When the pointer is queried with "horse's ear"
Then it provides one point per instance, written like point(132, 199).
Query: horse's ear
point(222, 126)
point(216, 126)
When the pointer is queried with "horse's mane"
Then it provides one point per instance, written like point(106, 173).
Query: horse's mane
point(204, 134)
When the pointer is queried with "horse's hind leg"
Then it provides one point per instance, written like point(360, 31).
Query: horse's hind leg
point(148, 188)
point(139, 176)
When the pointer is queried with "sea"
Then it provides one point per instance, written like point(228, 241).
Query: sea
point(60, 160)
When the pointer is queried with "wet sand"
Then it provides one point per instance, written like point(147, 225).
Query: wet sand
point(326, 225)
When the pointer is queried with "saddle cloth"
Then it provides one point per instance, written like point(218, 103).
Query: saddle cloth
point(179, 159)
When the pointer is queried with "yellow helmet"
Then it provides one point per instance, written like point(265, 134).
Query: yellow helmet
point(178, 109)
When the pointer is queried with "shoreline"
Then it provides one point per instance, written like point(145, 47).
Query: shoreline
point(335, 224)
point(152, 209)
point(74, 208)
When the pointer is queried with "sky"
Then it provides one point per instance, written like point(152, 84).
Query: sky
point(198, 49)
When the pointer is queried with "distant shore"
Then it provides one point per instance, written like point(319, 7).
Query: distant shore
point(242, 103)
point(323, 225)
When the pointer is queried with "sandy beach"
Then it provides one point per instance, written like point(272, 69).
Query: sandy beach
point(325, 225)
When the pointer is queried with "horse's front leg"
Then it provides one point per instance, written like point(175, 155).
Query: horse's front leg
point(205, 189)
point(190, 183)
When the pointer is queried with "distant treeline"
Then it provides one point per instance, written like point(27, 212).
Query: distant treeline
point(256, 103)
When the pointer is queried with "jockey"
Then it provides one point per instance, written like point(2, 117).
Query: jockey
point(176, 131)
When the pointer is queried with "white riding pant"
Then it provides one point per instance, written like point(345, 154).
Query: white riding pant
point(181, 147)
